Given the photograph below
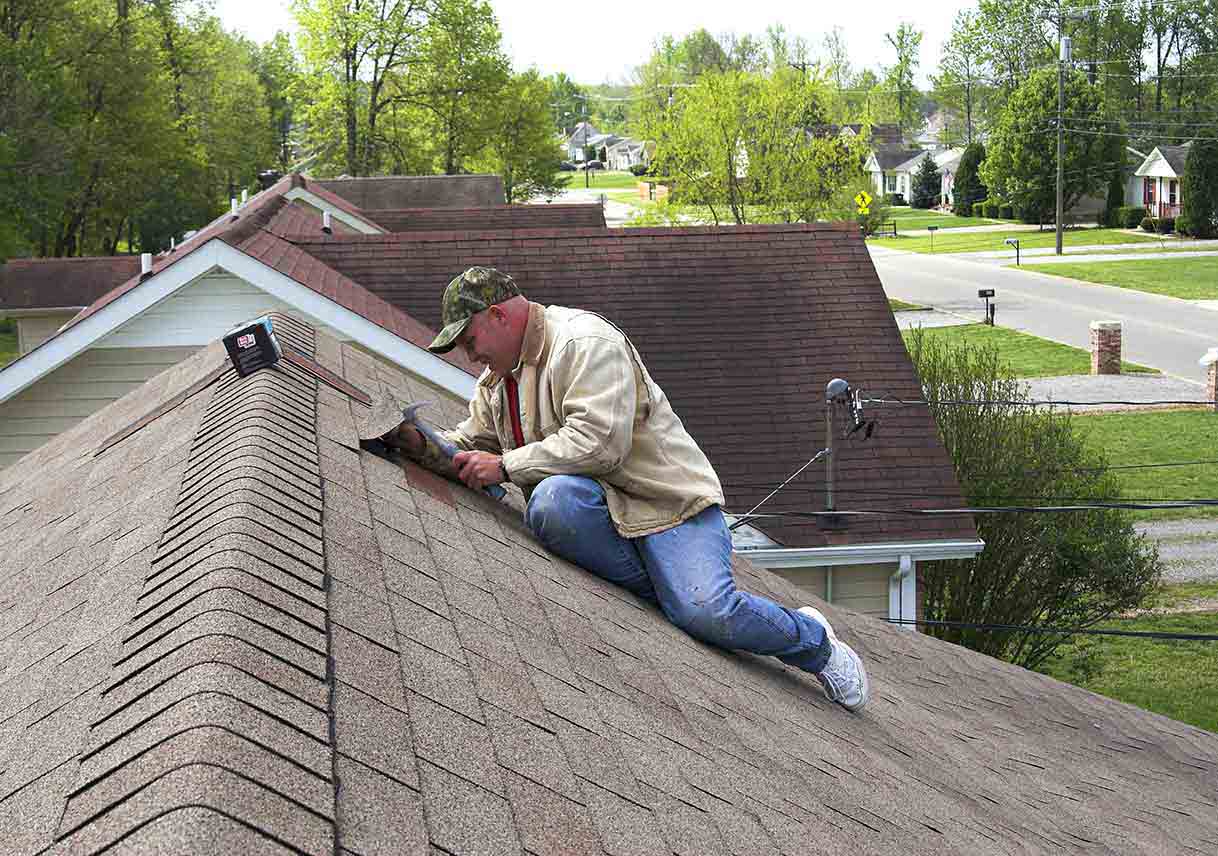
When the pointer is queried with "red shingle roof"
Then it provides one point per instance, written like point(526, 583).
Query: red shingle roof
point(61, 283)
point(495, 217)
point(417, 191)
point(742, 327)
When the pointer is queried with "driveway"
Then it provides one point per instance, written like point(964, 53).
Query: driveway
point(1163, 332)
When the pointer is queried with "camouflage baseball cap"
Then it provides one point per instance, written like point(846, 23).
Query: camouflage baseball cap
point(466, 296)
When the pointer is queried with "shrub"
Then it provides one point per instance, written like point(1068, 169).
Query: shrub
point(1006, 212)
point(1064, 570)
point(894, 199)
point(1199, 188)
point(1110, 216)
point(1148, 224)
point(968, 190)
point(1182, 225)
point(991, 208)
point(1166, 225)
point(978, 209)
point(1131, 215)
point(927, 184)
point(639, 169)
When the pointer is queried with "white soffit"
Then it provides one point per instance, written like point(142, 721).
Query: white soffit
point(216, 254)
point(860, 554)
point(359, 225)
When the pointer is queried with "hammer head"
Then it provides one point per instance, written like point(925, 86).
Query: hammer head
point(411, 410)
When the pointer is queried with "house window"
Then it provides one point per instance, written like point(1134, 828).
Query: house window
point(1148, 191)
point(890, 184)
point(1171, 193)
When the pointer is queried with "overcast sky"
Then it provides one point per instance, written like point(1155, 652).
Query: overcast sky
point(600, 47)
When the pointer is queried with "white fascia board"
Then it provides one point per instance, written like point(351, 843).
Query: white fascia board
point(41, 312)
point(362, 226)
point(56, 351)
point(413, 358)
point(860, 554)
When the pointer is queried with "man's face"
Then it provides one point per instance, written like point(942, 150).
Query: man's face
point(487, 340)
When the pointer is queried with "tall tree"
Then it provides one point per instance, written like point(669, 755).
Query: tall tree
point(1199, 189)
point(967, 186)
point(959, 82)
point(278, 69)
point(907, 42)
point(352, 48)
point(927, 184)
point(568, 100)
point(1021, 163)
point(521, 145)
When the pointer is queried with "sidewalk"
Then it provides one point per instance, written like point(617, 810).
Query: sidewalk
point(1040, 253)
point(1142, 389)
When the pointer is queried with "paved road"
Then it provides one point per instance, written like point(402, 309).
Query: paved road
point(1163, 332)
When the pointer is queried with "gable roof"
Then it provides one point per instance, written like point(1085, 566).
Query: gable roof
point(742, 327)
point(248, 244)
point(61, 283)
point(1176, 157)
point(890, 158)
point(417, 191)
point(216, 641)
point(558, 215)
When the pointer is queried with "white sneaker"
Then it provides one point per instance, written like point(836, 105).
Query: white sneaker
point(844, 678)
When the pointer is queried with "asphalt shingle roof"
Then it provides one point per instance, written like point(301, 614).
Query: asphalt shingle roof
point(235, 632)
point(559, 215)
point(62, 283)
point(742, 327)
point(417, 191)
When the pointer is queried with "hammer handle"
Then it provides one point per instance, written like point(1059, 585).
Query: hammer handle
point(449, 451)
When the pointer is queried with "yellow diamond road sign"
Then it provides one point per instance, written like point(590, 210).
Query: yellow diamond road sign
point(863, 199)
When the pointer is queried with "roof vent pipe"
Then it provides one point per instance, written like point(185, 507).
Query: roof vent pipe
point(325, 222)
point(233, 206)
point(245, 196)
point(173, 243)
point(145, 264)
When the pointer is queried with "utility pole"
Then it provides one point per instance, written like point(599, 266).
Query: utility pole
point(1063, 58)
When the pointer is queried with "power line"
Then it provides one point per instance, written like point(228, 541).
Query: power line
point(1115, 505)
point(810, 462)
point(1184, 137)
point(978, 402)
point(886, 493)
point(1064, 631)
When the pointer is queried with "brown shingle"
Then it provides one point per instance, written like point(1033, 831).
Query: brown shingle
point(561, 215)
point(417, 191)
point(567, 719)
point(61, 283)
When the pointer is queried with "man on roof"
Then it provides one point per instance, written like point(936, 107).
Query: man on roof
point(566, 410)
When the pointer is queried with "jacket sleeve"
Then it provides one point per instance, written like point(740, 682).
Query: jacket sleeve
point(595, 376)
point(477, 431)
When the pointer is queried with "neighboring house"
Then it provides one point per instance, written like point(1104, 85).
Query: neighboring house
point(780, 311)
point(946, 160)
point(557, 215)
point(1158, 180)
point(879, 135)
point(601, 143)
point(234, 269)
point(581, 137)
point(624, 154)
point(417, 191)
point(889, 168)
point(234, 631)
point(934, 135)
point(44, 294)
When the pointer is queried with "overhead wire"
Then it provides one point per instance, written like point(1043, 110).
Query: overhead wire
point(1064, 631)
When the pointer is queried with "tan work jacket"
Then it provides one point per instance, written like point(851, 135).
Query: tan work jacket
point(588, 407)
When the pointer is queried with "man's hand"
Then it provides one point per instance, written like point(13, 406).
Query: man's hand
point(478, 469)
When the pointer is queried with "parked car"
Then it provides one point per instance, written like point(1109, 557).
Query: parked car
point(594, 165)
point(567, 166)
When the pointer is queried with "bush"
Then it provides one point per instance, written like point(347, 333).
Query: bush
point(1065, 570)
point(1166, 225)
point(1182, 225)
point(895, 199)
point(992, 208)
point(1006, 212)
point(639, 169)
point(1148, 224)
point(927, 184)
point(968, 189)
point(978, 209)
point(1199, 188)
point(1130, 216)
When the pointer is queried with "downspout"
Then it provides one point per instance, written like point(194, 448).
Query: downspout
point(902, 593)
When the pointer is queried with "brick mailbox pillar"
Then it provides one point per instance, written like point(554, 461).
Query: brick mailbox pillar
point(1210, 360)
point(1105, 347)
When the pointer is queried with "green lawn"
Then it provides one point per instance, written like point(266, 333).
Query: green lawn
point(602, 179)
point(1174, 678)
point(8, 341)
point(902, 306)
point(1160, 436)
point(1192, 278)
point(1027, 355)
point(969, 242)
point(914, 220)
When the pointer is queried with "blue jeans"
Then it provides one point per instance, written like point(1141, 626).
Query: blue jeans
point(687, 570)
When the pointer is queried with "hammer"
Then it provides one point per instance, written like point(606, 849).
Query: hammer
point(442, 443)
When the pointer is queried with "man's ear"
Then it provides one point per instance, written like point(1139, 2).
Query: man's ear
point(496, 313)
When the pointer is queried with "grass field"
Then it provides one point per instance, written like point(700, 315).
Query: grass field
point(969, 242)
point(603, 179)
point(8, 341)
point(1174, 678)
point(902, 306)
point(914, 219)
point(1027, 355)
point(1159, 437)
point(1192, 278)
